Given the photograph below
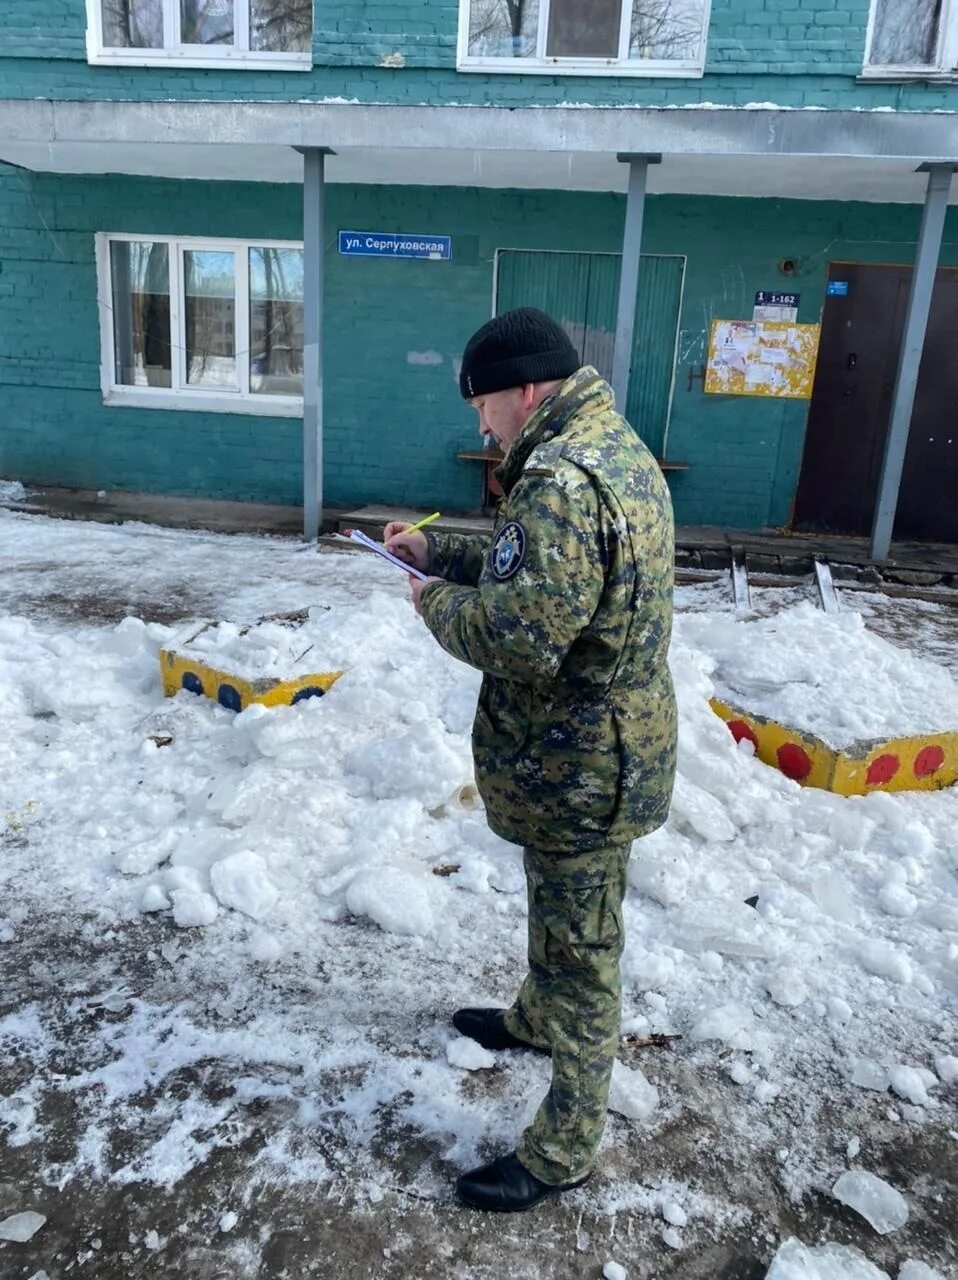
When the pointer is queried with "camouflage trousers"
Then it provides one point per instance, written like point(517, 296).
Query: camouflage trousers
point(571, 1002)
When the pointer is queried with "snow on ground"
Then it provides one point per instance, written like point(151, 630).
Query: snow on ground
point(315, 890)
point(827, 674)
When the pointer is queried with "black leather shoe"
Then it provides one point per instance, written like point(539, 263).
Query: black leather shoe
point(488, 1028)
point(505, 1186)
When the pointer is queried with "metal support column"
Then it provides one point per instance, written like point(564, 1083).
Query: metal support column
point(629, 274)
point(314, 252)
point(909, 359)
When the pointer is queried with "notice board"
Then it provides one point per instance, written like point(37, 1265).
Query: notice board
point(761, 358)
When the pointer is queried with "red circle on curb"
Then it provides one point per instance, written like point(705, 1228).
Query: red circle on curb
point(928, 761)
point(793, 761)
point(882, 769)
point(739, 730)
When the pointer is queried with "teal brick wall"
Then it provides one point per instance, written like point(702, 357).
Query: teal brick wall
point(394, 424)
point(793, 53)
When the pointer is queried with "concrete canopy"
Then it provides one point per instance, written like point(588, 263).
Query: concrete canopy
point(761, 151)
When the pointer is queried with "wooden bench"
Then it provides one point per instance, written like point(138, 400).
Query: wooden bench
point(492, 490)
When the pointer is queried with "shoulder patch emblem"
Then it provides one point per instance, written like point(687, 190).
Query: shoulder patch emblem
point(508, 551)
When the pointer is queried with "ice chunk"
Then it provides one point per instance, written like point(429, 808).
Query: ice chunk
point(731, 1023)
point(796, 1261)
point(739, 1072)
point(228, 1220)
point(787, 987)
point(614, 1271)
point(947, 1068)
point(241, 881)
point(839, 1010)
point(853, 1148)
point(895, 900)
point(673, 1213)
point(728, 927)
point(914, 1270)
point(474, 874)
point(914, 840)
point(21, 1227)
point(868, 1074)
point(154, 899)
point(672, 1238)
point(878, 1203)
point(631, 1095)
point(647, 970)
point(423, 764)
point(883, 960)
point(192, 907)
point(908, 1083)
point(396, 900)
point(701, 811)
point(146, 855)
point(265, 947)
point(468, 1055)
point(666, 881)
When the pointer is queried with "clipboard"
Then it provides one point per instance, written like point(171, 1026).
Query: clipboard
point(356, 535)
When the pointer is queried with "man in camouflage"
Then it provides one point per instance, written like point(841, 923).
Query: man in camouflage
point(568, 614)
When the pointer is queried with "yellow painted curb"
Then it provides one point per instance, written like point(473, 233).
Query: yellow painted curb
point(182, 671)
point(924, 763)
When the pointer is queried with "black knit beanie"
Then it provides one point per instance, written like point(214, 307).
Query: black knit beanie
point(517, 347)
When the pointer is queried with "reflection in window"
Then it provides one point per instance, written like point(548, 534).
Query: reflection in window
point(905, 35)
point(503, 28)
point(141, 313)
point(132, 24)
point(210, 286)
point(666, 29)
point(276, 321)
point(206, 21)
point(281, 26)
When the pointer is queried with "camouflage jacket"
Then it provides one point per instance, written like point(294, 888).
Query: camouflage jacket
point(568, 613)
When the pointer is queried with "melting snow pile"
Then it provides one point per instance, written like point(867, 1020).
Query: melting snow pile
point(827, 674)
point(12, 491)
point(337, 842)
point(274, 649)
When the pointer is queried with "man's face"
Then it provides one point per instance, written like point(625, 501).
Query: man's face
point(502, 414)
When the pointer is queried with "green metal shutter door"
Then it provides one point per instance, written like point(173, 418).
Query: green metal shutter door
point(653, 362)
point(581, 291)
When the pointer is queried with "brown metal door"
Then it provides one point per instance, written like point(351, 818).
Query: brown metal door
point(851, 404)
point(928, 503)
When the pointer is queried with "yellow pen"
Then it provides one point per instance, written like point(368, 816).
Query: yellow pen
point(421, 524)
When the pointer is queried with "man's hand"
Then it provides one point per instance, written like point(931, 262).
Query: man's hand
point(411, 548)
point(418, 585)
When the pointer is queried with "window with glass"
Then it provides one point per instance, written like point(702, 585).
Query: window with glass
point(187, 321)
point(917, 35)
point(640, 37)
point(200, 32)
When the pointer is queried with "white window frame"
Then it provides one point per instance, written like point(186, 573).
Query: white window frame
point(622, 65)
point(945, 65)
point(180, 395)
point(189, 55)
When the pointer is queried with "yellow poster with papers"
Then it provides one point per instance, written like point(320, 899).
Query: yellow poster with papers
point(761, 358)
